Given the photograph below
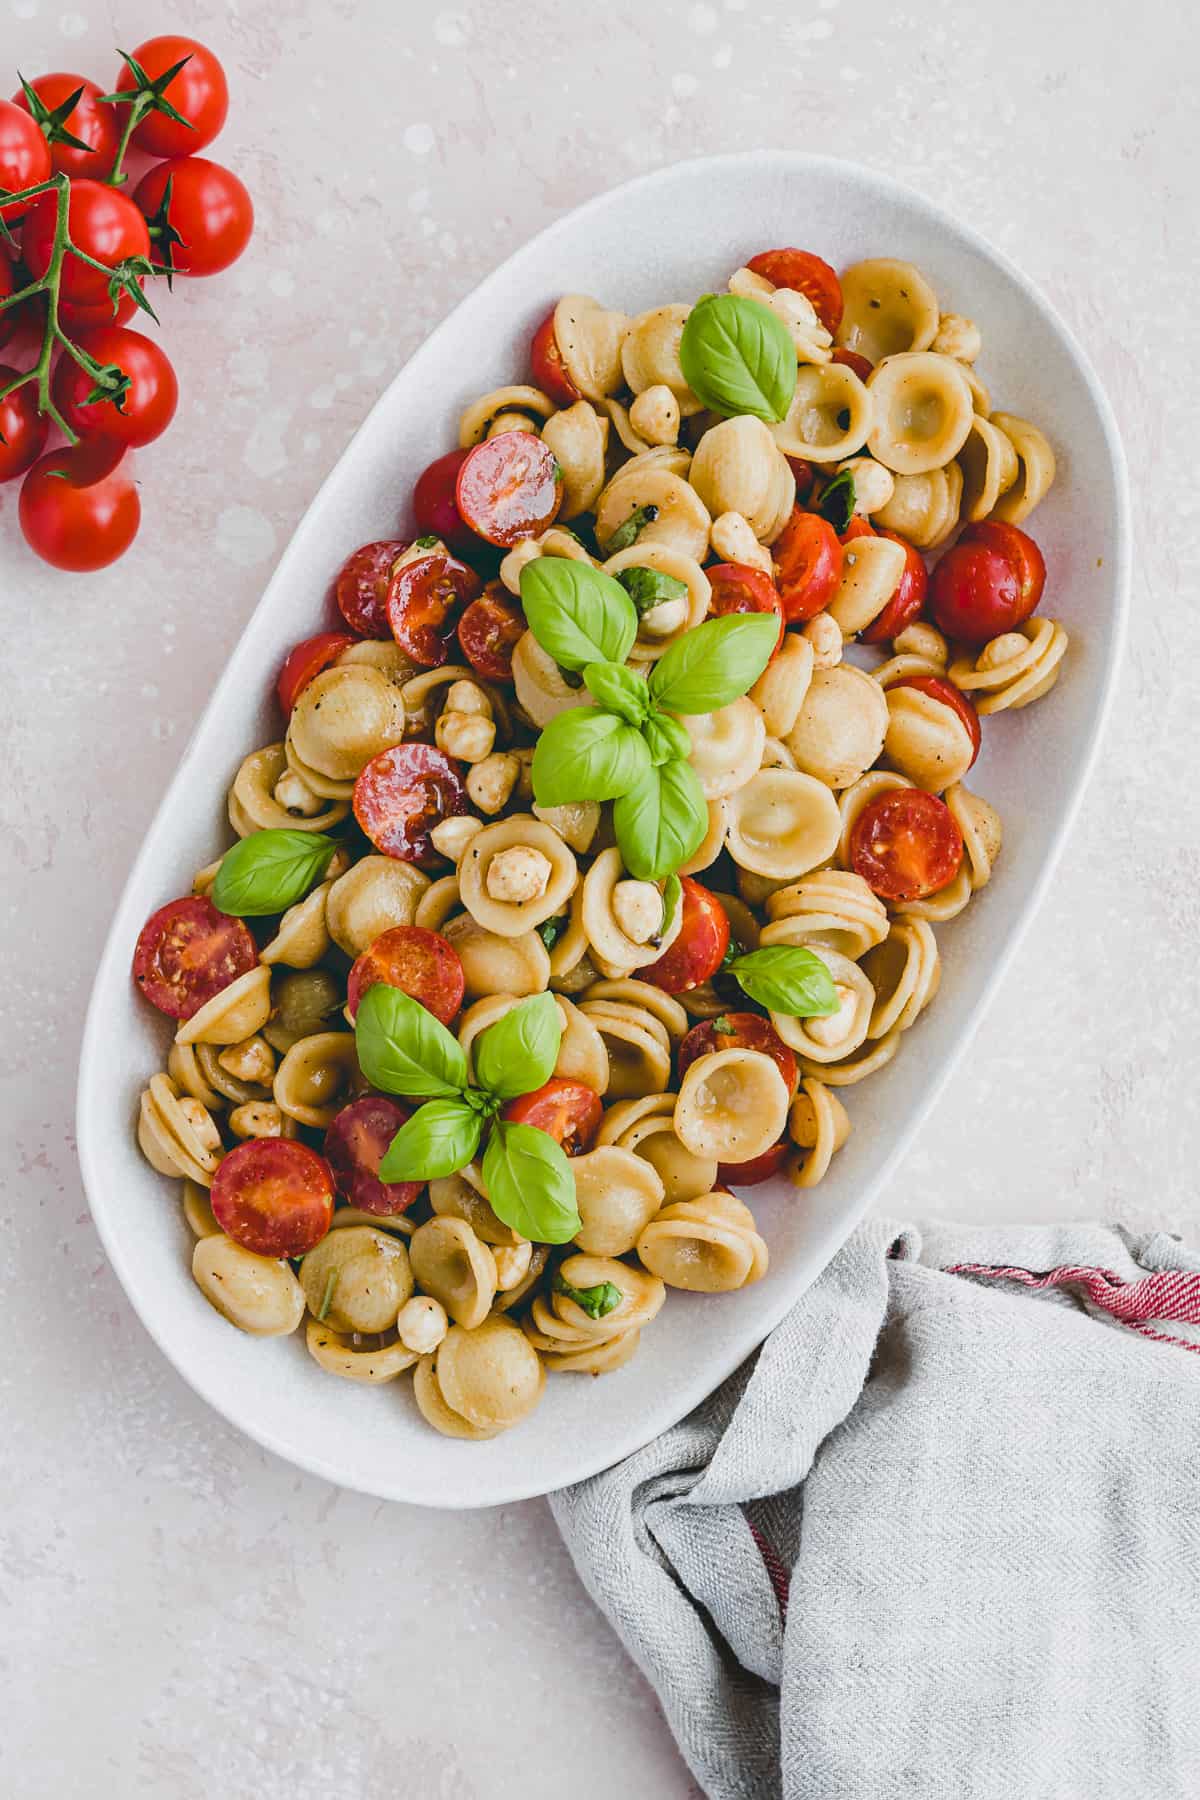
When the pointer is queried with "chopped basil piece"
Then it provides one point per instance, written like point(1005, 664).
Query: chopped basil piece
point(631, 530)
point(597, 1302)
point(648, 588)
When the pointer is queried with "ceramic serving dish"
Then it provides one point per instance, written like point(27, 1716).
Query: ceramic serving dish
point(670, 235)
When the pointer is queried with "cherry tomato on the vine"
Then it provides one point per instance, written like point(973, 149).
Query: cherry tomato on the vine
point(24, 157)
point(22, 428)
point(549, 369)
point(808, 565)
point(805, 274)
point(79, 507)
point(92, 120)
point(304, 661)
point(209, 212)
point(142, 412)
point(199, 92)
point(102, 222)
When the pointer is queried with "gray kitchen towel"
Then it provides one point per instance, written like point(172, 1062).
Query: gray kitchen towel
point(940, 1537)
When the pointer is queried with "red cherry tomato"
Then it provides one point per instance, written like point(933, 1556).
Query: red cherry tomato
point(209, 207)
point(860, 365)
point(759, 1168)
point(569, 1112)
point(22, 428)
point(857, 528)
point(416, 961)
point(105, 312)
point(79, 507)
point(808, 565)
point(549, 369)
point(24, 158)
point(102, 222)
point(700, 945)
point(945, 691)
point(906, 844)
point(305, 660)
point(187, 953)
point(402, 794)
point(740, 588)
point(907, 599)
point(509, 487)
point(361, 589)
point(987, 584)
point(435, 508)
point(273, 1196)
point(425, 601)
point(91, 120)
point(806, 477)
point(805, 274)
point(199, 92)
point(8, 286)
point(489, 632)
point(142, 412)
point(739, 1031)
point(355, 1144)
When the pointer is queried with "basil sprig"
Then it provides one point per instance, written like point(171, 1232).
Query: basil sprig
point(648, 588)
point(269, 871)
point(738, 356)
point(631, 529)
point(786, 978)
point(578, 614)
point(597, 1302)
point(837, 502)
point(403, 1049)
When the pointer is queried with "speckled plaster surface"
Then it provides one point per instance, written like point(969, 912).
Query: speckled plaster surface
point(183, 1616)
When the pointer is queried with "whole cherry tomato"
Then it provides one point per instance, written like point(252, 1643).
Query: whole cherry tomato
point(304, 661)
point(907, 600)
point(759, 1168)
point(142, 412)
point(435, 508)
point(102, 222)
point(567, 1110)
point(24, 157)
point(209, 209)
point(79, 507)
point(699, 947)
point(22, 428)
point(92, 120)
point(987, 584)
point(199, 93)
point(947, 694)
point(805, 274)
point(549, 369)
point(808, 565)
point(906, 844)
point(739, 588)
point(852, 360)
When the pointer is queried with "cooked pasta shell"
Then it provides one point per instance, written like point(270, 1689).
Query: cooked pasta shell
point(432, 1405)
point(317, 1077)
point(304, 1001)
point(982, 833)
point(558, 541)
point(732, 1105)
point(643, 995)
point(782, 823)
point(369, 899)
point(578, 436)
point(680, 518)
point(923, 411)
point(512, 918)
point(871, 1056)
point(541, 687)
point(253, 806)
point(489, 1374)
point(829, 1040)
point(184, 1069)
point(237, 1012)
point(1036, 468)
point(780, 690)
point(439, 902)
point(508, 1300)
point(302, 936)
point(736, 469)
point(835, 908)
point(650, 645)
point(347, 1354)
point(651, 1135)
point(888, 307)
point(924, 508)
point(589, 1359)
point(1015, 669)
point(345, 1218)
point(617, 1194)
point(642, 1297)
point(637, 1046)
point(841, 727)
point(376, 653)
point(255, 1293)
point(608, 942)
point(872, 569)
point(830, 417)
point(479, 418)
point(210, 1062)
point(727, 746)
point(493, 964)
point(650, 355)
point(201, 1220)
point(630, 437)
point(589, 338)
point(947, 903)
point(926, 739)
point(989, 468)
point(454, 1265)
point(458, 1197)
point(177, 1137)
point(706, 1246)
point(357, 1279)
point(818, 1126)
point(905, 971)
point(344, 717)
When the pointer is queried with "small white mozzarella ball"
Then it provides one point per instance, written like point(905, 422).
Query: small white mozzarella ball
point(512, 1264)
point(637, 907)
point(733, 540)
point(800, 316)
point(665, 619)
point(202, 1121)
point(490, 783)
point(958, 337)
point(451, 837)
point(421, 1324)
point(654, 415)
point(296, 797)
point(468, 736)
point(256, 1119)
point(1001, 650)
point(825, 636)
point(873, 484)
point(252, 1060)
point(518, 874)
point(830, 1030)
point(467, 697)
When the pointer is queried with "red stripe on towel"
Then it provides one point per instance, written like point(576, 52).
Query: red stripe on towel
point(776, 1572)
point(1169, 1295)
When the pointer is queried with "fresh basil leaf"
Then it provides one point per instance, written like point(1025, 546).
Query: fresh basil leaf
point(672, 898)
point(648, 588)
point(837, 502)
point(428, 542)
point(269, 871)
point(529, 1183)
point(732, 951)
point(631, 530)
point(618, 690)
point(787, 978)
point(661, 821)
point(441, 1137)
point(715, 664)
point(597, 1302)
point(578, 614)
point(666, 739)
point(403, 1049)
point(722, 1025)
point(518, 1053)
point(331, 1281)
point(550, 930)
point(738, 356)
point(586, 754)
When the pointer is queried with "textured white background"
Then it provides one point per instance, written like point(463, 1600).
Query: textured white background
point(183, 1616)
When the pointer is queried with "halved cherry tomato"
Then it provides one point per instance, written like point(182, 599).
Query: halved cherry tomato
point(425, 600)
point(490, 630)
point(91, 120)
point(187, 952)
point(22, 428)
point(907, 599)
point(142, 412)
point(79, 506)
point(361, 589)
point(434, 507)
point(568, 1111)
point(104, 223)
point(806, 476)
point(857, 528)
point(355, 1144)
point(199, 93)
point(988, 583)
point(906, 844)
point(700, 945)
point(739, 1031)
point(549, 369)
point(860, 365)
point(808, 565)
point(305, 660)
point(509, 487)
point(759, 1168)
point(273, 1196)
point(945, 691)
point(418, 962)
point(24, 159)
point(209, 207)
point(740, 588)
point(805, 274)
point(402, 794)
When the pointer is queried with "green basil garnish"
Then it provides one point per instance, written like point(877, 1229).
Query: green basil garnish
point(550, 930)
point(837, 502)
point(660, 823)
point(597, 1302)
point(618, 690)
point(518, 1052)
point(587, 754)
point(269, 871)
point(672, 899)
point(441, 1137)
point(648, 588)
point(738, 356)
point(666, 739)
point(631, 530)
point(529, 1183)
point(787, 978)
point(715, 664)
point(403, 1049)
point(578, 614)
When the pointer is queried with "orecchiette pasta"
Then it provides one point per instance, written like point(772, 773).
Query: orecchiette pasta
point(782, 823)
point(727, 746)
point(237, 1012)
point(493, 964)
point(486, 1379)
point(255, 1293)
point(354, 1357)
point(343, 718)
point(674, 512)
point(558, 541)
point(887, 308)
point(316, 1077)
point(617, 1194)
point(924, 508)
point(516, 874)
point(456, 1267)
point(650, 358)
point(989, 468)
point(267, 795)
point(544, 692)
point(732, 1105)
point(709, 1245)
point(578, 437)
point(1014, 669)
point(818, 1126)
point(637, 1043)
point(1036, 468)
point(647, 1127)
point(571, 1340)
point(302, 938)
point(926, 739)
point(369, 899)
point(921, 412)
point(905, 971)
point(484, 417)
point(841, 726)
point(357, 1280)
point(871, 572)
point(831, 415)
point(739, 468)
point(833, 1038)
point(177, 1136)
point(612, 948)
point(981, 832)
point(663, 625)
point(590, 338)
point(833, 908)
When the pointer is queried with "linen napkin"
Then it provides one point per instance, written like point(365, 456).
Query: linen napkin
point(939, 1537)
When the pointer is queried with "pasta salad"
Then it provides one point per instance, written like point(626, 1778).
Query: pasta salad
point(605, 838)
